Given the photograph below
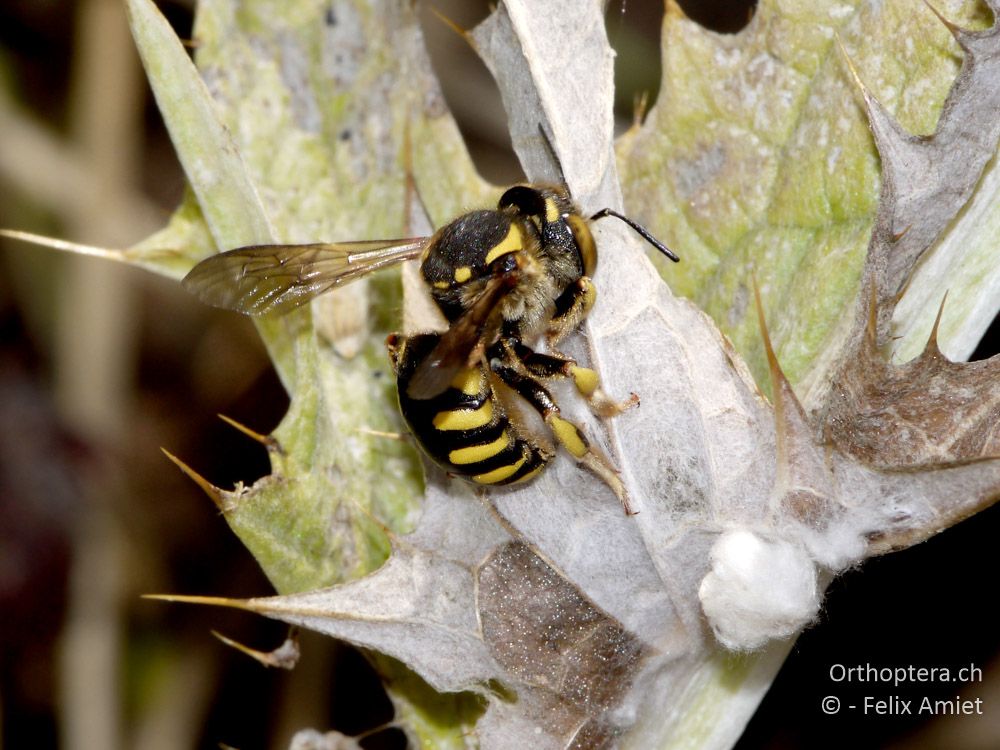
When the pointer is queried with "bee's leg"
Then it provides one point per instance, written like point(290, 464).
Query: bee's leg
point(572, 307)
point(547, 366)
point(568, 434)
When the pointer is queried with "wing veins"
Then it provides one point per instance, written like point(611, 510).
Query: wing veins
point(264, 279)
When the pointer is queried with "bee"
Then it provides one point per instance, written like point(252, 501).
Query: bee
point(504, 279)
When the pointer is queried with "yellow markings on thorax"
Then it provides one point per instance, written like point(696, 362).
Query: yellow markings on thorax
point(463, 274)
point(464, 419)
point(569, 436)
point(441, 285)
point(470, 382)
point(509, 244)
point(498, 475)
point(473, 454)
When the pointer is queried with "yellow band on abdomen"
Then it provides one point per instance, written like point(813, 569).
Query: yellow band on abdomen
point(476, 453)
point(464, 419)
point(470, 382)
point(498, 475)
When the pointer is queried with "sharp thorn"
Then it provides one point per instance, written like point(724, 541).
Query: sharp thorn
point(267, 441)
point(850, 66)
point(57, 244)
point(215, 493)
point(956, 31)
point(367, 513)
point(286, 656)
point(215, 601)
point(453, 26)
point(379, 433)
point(772, 359)
point(932, 341)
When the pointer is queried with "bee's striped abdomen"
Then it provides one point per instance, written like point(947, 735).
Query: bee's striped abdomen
point(464, 429)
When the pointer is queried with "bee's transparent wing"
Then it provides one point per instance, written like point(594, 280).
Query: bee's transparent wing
point(265, 279)
point(465, 340)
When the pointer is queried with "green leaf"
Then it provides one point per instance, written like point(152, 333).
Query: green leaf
point(214, 166)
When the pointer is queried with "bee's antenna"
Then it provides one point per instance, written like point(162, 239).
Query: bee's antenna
point(550, 147)
point(640, 230)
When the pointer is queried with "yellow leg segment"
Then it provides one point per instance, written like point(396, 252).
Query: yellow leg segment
point(589, 386)
point(572, 439)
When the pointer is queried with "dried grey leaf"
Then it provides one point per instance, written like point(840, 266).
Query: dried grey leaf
point(929, 411)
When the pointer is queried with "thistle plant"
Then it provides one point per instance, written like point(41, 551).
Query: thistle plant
point(826, 176)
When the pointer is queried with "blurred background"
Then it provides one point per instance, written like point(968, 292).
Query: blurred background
point(101, 365)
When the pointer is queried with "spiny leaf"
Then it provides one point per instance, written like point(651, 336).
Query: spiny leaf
point(214, 166)
point(754, 158)
point(929, 411)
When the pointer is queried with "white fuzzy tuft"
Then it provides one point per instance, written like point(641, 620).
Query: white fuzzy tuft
point(758, 590)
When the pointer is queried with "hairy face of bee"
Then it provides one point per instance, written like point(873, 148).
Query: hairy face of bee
point(565, 235)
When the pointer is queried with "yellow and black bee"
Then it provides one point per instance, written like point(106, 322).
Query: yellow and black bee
point(504, 279)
